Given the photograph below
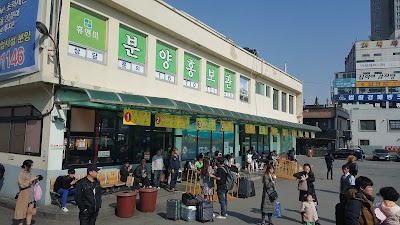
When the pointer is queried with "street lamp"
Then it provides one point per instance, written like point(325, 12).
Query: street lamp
point(45, 32)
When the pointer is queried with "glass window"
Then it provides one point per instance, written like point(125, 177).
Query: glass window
point(189, 143)
point(106, 151)
point(32, 137)
point(364, 142)
point(5, 112)
point(284, 96)
point(141, 143)
point(291, 102)
point(260, 88)
point(268, 91)
point(5, 136)
point(375, 90)
point(22, 111)
point(17, 137)
point(367, 125)
point(244, 89)
point(204, 142)
point(342, 91)
point(218, 140)
point(394, 90)
point(229, 142)
point(275, 98)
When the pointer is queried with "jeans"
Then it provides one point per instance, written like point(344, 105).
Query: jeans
point(329, 170)
point(174, 177)
point(223, 201)
point(88, 218)
point(157, 177)
point(64, 195)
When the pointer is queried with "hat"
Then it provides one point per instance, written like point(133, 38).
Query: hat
point(92, 167)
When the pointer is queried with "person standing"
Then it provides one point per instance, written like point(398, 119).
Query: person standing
point(222, 191)
point(308, 177)
point(207, 181)
point(346, 181)
point(389, 208)
point(157, 165)
point(329, 163)
point(309, 210)
point(249, 159)
point(88, 196)
point(65, 186)
point(268, 206)
point(353, 167)
point(26, 205)
point(174, 165)
point(359, 208)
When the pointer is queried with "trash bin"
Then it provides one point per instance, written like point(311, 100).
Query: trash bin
point(148, 199)
point(126, 204)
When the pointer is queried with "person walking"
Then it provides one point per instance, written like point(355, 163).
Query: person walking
point(329, 164)
point(222, 190)
point(157, 166)
point(268, 205)
point(306, 185)
point(25, 207)
point(346, 181)
point(88, 196)
point(359, 208)
point(207, 181)
point(353, 167)
point(65, 186)
point(389, 209)
point(174, 165)
point(308, 208)
point(249, 159)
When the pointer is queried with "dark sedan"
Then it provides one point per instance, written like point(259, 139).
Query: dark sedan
point(381, 154)
point(345, 152)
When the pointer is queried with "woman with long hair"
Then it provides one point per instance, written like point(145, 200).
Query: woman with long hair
point(207, 181)
point(268, 206)
point(26, 205)
point(306, 185)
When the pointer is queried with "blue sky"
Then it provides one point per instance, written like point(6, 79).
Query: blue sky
point(312, 36)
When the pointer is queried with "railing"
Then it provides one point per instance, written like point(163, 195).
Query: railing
point(286, 168)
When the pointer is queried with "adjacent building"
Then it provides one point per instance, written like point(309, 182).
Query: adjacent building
point(385, 19)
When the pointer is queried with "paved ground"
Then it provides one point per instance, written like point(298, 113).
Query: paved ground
point(244, 211)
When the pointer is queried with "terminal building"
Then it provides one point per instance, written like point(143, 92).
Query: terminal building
point(107, 82)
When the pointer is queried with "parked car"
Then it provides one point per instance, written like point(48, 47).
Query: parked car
point(345, 152)
point(398, 156)
point(381, 154)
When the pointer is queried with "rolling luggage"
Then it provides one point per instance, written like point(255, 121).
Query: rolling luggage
point(340, 213)
point(173, 209)
point(205, 210)
point(188, 213)
point(253, 189)
point(246, 188)
point(188, 199)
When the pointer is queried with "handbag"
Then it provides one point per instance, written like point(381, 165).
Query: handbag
point(302, 186)
point(273, 196)
point(37, 192)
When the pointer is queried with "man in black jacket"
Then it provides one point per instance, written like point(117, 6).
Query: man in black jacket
point(65, 186)
point(88, 196)
point(329, 161)
point(141, 175)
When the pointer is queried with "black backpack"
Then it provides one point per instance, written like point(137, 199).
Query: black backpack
point(2, 171)
point(188, 199)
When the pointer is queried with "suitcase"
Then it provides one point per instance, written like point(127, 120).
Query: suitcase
point(340, 213)
point(188, 213)
point(253, 190)
point(205, 211)
point(188, 199)
point(245, 187)
point(173, 209)
point(277, 212)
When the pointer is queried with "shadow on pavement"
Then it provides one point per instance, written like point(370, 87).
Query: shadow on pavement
point(162, 215)
point(244, 218)
point(319, 218)
point(328, 191)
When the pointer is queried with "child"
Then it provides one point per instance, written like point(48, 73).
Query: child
point(309, 210)
point(346, 181)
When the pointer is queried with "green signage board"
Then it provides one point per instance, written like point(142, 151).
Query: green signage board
point(87, 28)
point(229, 81)
point(132, 45)
point(165, 58)
point(192, 67)
point(212, 78)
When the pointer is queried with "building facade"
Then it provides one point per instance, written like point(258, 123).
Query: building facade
point(121, 82)
point(385, 19)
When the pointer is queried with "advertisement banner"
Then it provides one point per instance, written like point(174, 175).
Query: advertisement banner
point(378, 84)
point(378, 77)
point(300, 133)
point(368, 97)
point(307, 134)
point(131, 50)
point(136, 117)
point(394, 125)
point(250, 129)
point(191, 71)
point(312, 135)
point(87, 34)
point(294, 133)
point(165, 58)
point(206, 124)
point(344, 83)
point(19, 47)
point(226, 126)
point(377, 65)
point(263, 130)
point(172, 121)
point(229, 84)
point(212, 77)
point(274, 131)
point(285, 132)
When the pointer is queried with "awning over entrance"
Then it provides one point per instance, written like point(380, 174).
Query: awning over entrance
point(118, 101)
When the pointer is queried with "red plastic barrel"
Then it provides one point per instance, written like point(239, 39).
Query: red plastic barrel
point(148, 199)
point(126, 204)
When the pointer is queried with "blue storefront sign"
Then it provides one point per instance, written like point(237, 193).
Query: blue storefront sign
point(368, 98)
point(344, 83)
point(18, 37)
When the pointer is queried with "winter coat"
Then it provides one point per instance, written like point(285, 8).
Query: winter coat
point(268, 187)
point(310, 187)
point(392, 215)
point(310, 211)
point(85, 197)
point(353, 168)
point(359, 209)
point(25, 195)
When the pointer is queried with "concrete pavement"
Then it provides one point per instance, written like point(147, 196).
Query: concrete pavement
point(246, 211)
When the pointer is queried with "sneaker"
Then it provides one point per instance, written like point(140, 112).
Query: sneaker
point(150, 186)
point(64, 209)
point(158, 188)
point(220, 217)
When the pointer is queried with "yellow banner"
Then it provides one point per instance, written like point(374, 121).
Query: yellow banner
point(312, 135)
point(263, 130)
point(226, 126)
point(378, 83)
point(307, 134)
point(285, 132)
point(205, 124)
point(172, 121)
point(274, 131)
point(136, 117)
point(250, 129)
point(301, 133)
point(294, 133)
